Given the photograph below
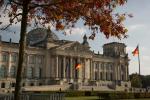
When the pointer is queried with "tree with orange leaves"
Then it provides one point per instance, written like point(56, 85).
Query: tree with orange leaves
point(96, 14)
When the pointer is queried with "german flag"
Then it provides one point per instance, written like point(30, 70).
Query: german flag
point(78, 66)
point(136, 51)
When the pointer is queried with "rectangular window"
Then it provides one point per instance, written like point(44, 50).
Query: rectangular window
point(13, 71)
point(40, 59)
point(107, 67)
point(38, 72)
point(5, 57)
point(101, 76)
point(30, 72)
point(2, 71)
point(32, 59)
point(14, 57)
point(111, 67)
point(111, 76)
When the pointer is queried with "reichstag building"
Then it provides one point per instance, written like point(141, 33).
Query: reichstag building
point(51, 64)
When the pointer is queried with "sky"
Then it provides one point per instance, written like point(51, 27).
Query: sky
point(138, 31)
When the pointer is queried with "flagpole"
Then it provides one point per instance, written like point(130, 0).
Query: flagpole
point(139, 60)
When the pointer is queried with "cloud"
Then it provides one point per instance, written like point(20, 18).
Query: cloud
point(130, 49)
point(136, 27)
point(12, 32)
point(145, 58)
point(75, 31)
point(134, 66)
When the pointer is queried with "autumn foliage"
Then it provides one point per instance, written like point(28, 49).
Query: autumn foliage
point(97, 14)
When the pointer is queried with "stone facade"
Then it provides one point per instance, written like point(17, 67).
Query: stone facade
point(49, 61)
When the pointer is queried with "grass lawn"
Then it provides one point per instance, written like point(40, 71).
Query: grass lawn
point(82, 98)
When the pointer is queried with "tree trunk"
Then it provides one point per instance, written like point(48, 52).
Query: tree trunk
point(21, 50)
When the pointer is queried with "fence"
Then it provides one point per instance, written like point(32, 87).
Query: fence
point(52, 96)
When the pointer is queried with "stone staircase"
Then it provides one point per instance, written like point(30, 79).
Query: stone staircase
point(47, 88)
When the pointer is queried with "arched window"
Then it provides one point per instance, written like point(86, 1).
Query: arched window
point(30, 72)
point(13, 71)
point(2, 71)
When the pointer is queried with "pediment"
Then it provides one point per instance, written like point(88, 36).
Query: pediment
point(74, 47)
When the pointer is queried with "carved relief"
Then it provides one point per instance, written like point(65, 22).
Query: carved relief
point(77, 47)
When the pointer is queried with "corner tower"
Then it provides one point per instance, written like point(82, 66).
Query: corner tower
point(114, 49)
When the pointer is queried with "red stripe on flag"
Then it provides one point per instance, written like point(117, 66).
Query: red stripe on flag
point(78, 66)
point(136, 51)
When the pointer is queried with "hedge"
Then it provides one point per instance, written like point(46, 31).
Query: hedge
point(108, 95)
point(105, 95)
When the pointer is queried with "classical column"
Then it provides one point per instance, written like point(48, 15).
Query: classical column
point(126, 72)
point(80, 69)
point(26, 73)
point(92, 70)
point(71, 68)
point(119, 72)
point(104, 72)
point(53, 66)
point(87, 69)
point(57, 69)
point(84, 69)
point(9, 65)
point(65, 68)
point(100, 69)
point(115, 71)
point(98, 74)
point(60, 67)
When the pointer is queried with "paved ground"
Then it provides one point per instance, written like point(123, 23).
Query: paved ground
point(135, 99)
point(94, 98)
point(82, 98)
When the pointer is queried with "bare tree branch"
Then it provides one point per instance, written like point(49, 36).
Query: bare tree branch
point(17, 3)
point(16, 16)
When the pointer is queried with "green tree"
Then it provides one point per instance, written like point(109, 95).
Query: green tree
point(97, 14)
point(136, 80)
point(145, 81)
